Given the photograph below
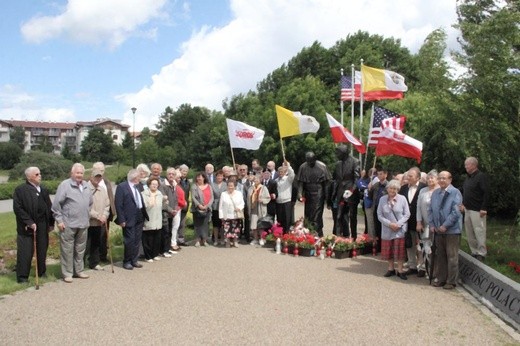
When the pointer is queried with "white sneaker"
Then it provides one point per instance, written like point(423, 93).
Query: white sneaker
point(167, 255)
point(261, 242)
point(254, 242)
point(235, 243)
point(98, 267)
point(172, 252)
point(149, 260)
point(197, 244)
point(157, 258)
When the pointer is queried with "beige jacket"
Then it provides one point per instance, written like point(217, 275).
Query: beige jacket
point(100, 205)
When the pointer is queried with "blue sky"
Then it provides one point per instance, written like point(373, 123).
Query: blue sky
point(79, 60)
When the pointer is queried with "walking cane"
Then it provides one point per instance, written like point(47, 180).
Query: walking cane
point(109, 247)
point(35, 261)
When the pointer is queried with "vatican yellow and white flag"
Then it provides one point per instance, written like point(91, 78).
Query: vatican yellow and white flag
point(294, 123)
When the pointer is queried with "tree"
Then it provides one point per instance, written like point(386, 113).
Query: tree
point(98, 146)
point(45, 144)
point(180, 125)
point(489, 94)
point(10, 153)
point(17, 136)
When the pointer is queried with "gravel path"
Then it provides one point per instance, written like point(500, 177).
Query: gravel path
point(246, 296)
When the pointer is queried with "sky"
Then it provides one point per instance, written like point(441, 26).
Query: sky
point(80, 60)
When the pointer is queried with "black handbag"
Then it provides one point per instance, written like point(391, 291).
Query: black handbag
point(265, 222)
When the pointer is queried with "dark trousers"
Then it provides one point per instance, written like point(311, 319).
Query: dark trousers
point(353, 219)
point(132, 239)
point(246, 229)
point(377, 228)
point(182, 226)
point(166, 236)
point(284, 215)
point(103, 245)
point(25, 251)
point(151, 243)
point(335, 230)
point(342, 221)
point(93, 246)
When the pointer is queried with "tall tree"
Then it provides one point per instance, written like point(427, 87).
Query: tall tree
point(98, 146)
point(490, 52)
point(17, 136)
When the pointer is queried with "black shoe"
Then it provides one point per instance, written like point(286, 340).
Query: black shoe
point(439, 284)
point(128, 266)
point(421, 273)
point(389, 273)
point(183, 244)
point(480, 258)
point(411, 272)
point(22, 280)
point(448, 287)
point(402, 276)
point(137, 265)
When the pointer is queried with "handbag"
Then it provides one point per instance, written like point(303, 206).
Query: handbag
point(240, 213)
point(265, 222)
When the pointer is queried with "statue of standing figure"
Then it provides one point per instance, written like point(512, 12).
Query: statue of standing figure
point(313, 180)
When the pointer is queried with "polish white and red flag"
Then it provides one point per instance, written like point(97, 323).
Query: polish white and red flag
point(242, 135)
point(342, 135)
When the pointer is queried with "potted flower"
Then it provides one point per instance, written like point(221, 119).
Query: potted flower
point(306, 245)
point(342, 247)
point(364, 242)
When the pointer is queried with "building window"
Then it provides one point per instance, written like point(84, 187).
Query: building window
point(114, 137)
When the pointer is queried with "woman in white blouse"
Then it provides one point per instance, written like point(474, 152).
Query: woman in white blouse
point(231, 211)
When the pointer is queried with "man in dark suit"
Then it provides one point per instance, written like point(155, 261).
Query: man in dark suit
point(272, 187)
point(411, 192)
point(131, 214)
point(32, 207)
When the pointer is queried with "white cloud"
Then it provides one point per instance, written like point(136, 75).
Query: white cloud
point(220, 62)
point(20, 105)
point(95, 21)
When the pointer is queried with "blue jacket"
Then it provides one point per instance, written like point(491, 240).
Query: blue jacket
point(126, 209)
point(446, 213)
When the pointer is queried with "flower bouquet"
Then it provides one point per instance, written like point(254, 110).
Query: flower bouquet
point(269, 236)
point(342, 247)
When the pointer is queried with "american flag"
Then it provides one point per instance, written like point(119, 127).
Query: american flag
point(346, 89)
point(384, 118)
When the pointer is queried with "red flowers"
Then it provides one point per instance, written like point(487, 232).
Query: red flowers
point(515, 266)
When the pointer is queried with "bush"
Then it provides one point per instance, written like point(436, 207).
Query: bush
point(10, 154)
point(51, 166)
point(7, 189)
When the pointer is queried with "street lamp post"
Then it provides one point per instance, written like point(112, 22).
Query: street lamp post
point(133, 109)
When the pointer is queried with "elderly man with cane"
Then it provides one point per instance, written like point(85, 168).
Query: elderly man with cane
point(34, 219)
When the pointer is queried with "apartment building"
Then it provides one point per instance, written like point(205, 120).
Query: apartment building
point(61, 134)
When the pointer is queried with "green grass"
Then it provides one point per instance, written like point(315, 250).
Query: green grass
point(8, 284)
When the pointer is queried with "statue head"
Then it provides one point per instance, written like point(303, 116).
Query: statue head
point(310, 158)
point(342, 152)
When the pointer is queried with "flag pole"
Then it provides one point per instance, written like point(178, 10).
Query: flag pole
point(341, 101)
point(233, 158)
point(283, 150)
point(352, 100)
point(369, 132)
point(360, 114)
